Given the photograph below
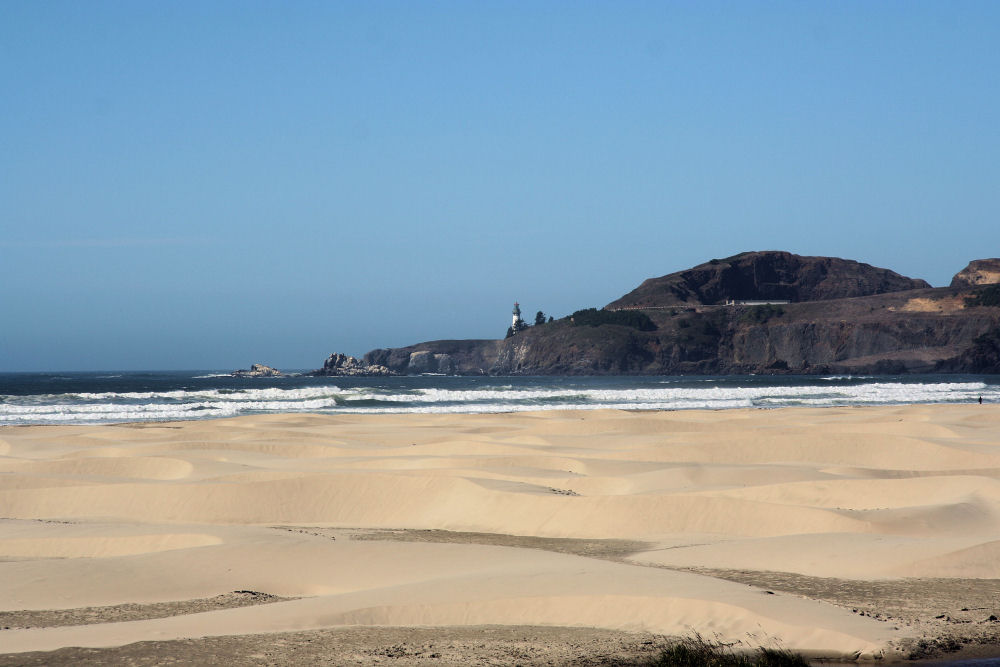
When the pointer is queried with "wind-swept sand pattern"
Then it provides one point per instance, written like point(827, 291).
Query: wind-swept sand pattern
point(723, 523)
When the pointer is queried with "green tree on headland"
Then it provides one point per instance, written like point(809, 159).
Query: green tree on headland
point(539, 318)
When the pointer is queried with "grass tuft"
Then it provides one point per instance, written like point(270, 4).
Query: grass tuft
point(700, 653)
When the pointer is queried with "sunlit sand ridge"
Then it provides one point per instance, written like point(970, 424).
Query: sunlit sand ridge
point(287, 505)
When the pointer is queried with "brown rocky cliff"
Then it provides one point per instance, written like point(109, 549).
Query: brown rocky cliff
point(921, 331)
point(766, 275)
point(449, 357)
point(978, 272)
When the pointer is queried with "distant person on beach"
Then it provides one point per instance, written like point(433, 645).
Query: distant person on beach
point(980, 400)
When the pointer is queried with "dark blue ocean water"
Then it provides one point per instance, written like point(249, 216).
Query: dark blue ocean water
point(101, 397)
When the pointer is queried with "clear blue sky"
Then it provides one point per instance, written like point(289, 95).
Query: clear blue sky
point(211, 184)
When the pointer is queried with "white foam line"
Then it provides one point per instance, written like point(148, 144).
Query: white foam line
point(116, 407)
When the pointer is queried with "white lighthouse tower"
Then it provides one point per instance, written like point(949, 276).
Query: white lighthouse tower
point(516, 322)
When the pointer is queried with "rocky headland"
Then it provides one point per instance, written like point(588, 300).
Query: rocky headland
point(447, 357)
point(764, 312)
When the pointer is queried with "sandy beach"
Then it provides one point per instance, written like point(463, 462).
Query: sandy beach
point(573, 537)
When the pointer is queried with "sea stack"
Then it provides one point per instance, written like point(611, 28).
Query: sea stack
point(258, 371)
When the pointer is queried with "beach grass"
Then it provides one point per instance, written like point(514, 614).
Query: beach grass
point(698, 652)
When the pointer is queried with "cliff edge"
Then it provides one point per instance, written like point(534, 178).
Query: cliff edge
point(978, 272)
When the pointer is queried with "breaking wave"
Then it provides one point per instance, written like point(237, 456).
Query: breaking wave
point(170, 397)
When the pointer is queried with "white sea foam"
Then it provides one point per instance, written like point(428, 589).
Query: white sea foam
point(209, 403)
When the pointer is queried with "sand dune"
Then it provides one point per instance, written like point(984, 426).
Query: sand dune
point(152, 513)
point(384, 583)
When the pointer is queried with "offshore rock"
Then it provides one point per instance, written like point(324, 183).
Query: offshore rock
point(342, 365)
point(978, 272)
point(258, 371)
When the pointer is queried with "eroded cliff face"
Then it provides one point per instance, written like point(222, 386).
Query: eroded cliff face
point(978, 272)
point(983, 356)
point(921, 331)
point(917, 344)
point(560, 348)
point(448, 357)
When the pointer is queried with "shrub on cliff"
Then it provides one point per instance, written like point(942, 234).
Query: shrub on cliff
point(761, 314)
point(985, 297)
point(702, 330)
point(592, 317)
